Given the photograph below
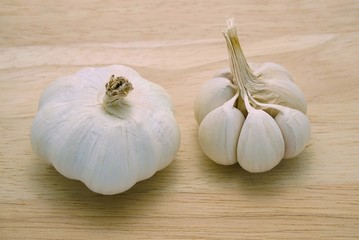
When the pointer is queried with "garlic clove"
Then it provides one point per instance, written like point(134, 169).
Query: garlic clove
point(280, 92)
point(287, 94)
point(295, 127)
point(219, 132)
point(270, 70)
point(261, 145)
point(278, 87)
point(214, 93)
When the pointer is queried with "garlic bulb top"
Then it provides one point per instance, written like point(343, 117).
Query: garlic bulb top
point(107, 127)
point(273, 125)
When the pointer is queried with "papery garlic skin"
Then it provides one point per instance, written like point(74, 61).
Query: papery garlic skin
point(109, 153)
point(267, 70)
point(295, 127)
point(213, 93)
point(282, 92)
point(273, 85)
point(219, 132)
point(270, 70)
point(261, 145)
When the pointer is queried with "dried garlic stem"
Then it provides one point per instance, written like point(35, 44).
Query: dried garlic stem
point(239, 65)
point(116, 89)
point(247, 103)
point(242, 73)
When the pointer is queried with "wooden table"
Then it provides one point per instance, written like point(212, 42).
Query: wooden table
point(179, 45)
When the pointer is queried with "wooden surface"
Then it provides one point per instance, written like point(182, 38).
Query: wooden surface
point(179, 45)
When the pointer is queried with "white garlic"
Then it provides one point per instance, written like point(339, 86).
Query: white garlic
point(261, 145)
point(295, 127)
point(266, 70)
point(270, 70)
point(275, 125)
point(278, 91)
point(219, 131)
point(213, 93)
point(273, 84)
point(107, 137)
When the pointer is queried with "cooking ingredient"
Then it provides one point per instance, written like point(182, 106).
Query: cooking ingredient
point(107, 127)
point(219, 132)
point(261, 144)
point(273, 125)
point(213, 93)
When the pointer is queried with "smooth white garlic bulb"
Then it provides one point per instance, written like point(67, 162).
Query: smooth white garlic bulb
point(274, 125)
point(107, 127)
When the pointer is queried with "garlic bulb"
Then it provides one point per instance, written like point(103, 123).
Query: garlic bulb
point(107, 127)
point(272, 125)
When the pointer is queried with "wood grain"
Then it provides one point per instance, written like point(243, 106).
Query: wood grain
point(179, 45)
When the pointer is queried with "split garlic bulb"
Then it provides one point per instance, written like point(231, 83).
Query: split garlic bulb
point(107, 127)
point(253, 114)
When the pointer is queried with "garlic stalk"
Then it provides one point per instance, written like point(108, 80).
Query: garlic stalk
point(116, 89)
point(267, 82)
point(261, 145)
point(107, 127)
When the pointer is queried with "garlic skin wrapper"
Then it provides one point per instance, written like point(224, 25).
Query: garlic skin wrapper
point(107, 127)
point(274, 125)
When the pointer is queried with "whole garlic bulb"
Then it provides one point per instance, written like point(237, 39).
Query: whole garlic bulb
point(273, 125)
point(107, 127)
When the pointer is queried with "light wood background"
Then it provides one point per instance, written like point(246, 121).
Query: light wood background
point(179, 45)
